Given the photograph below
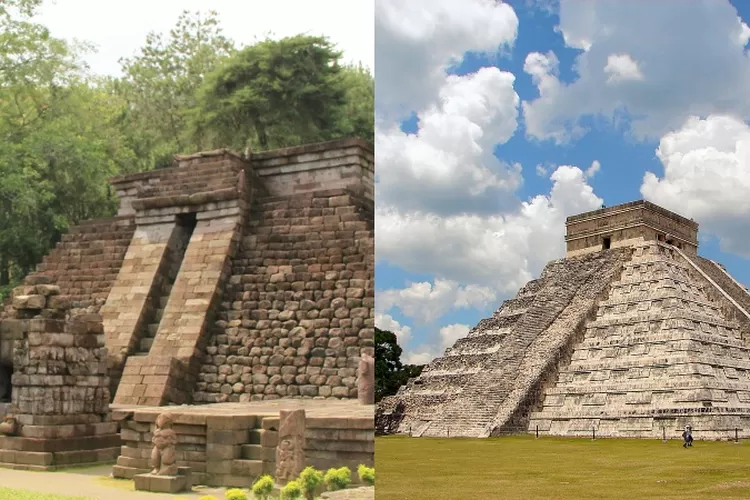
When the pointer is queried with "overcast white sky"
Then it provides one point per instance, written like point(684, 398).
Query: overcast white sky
point(119, 29)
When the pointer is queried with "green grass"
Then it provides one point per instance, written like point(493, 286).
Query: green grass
point(523, 467)
point(13, 494)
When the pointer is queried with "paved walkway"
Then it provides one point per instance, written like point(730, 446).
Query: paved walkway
point(96, 483)
point(93, 482)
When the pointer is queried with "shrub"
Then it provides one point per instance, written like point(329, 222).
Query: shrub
point(292, 491)
point(338, 479)
point(309, 480)
point(235, 494)
point(366, 474)
point(263, 487)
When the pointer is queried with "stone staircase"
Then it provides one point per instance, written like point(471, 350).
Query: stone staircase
point(85, 263)
point(660, 354)
point(482, 382)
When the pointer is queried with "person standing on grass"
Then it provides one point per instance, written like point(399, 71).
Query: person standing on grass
point(687, 435)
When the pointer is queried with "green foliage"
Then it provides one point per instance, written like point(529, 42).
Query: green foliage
point(161, 82)
point(235, 494)
point(310, 479)
point(263, 487)
point(366, 474)
point(282, 93)
point(291, 491)
point(338, 479)
point(390, 374)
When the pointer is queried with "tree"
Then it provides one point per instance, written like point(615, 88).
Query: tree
point(390, 374)
point(58, 143)
point(359, 111)
point(161, 83)
point(274, 94)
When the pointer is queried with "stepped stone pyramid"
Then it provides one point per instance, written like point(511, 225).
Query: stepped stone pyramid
point(226, 278)
point(227, 289)
point(632, 334)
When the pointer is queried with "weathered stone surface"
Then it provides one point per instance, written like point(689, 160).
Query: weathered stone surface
point(290, 452)
point(366, 380)
point(163, 458)
point(634, 341)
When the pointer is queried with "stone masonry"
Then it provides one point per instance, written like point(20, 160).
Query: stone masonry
point(632, 335)
point(60, 398)
point(226, 278)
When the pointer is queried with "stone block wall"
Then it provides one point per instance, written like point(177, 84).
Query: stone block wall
point(60, 397)
point(228, 446)
point(346, 163)
point(299, 308)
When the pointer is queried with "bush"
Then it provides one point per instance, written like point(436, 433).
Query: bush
point(263, 487)
point(292, 491)
point(235, 494)
point(338, 479)
point(366, 474)
point(309, 480)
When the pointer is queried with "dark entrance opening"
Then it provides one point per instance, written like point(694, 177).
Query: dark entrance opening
point(6, 388)
point(606, 243)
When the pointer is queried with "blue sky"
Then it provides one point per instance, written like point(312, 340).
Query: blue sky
point(496, 121)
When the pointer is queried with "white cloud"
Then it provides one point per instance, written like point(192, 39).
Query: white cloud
point(449, 165)
point(593, 169)
point(421, 356)
point(690, 61)
point(707, 177)
point(386, 322)
point(501, 252)
point(120, 28)
point(621, 68)
point(426, 302)
point(451, 333)
point(418, 40)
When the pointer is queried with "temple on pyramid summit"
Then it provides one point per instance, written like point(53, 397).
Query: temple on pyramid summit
point(631, 334)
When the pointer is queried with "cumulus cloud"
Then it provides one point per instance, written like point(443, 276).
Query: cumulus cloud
point(448, 166)
point(593, 169)
point(622, 67)
point(707, 177)
point(701, 43)
point(451, 333)
point(418, 40)
point(501, 252)
point(426, 302)
point(386, 322)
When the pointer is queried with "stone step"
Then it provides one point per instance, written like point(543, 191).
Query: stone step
point(158, 314)
point(252, 452)
point(252, 468)
point(146, 343)
point(163, 301)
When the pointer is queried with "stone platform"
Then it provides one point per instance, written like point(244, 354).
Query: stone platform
point(232, 444)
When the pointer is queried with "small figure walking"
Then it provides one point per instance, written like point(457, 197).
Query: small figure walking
point(687, 435)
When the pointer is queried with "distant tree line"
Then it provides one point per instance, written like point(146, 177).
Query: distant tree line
point(390, 373)
point(65, 131)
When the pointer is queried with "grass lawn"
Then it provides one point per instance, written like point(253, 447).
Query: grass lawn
point(13, 494)
point(523, 467)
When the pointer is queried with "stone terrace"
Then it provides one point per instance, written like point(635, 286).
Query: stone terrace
point(227, 278)
point(231, 444)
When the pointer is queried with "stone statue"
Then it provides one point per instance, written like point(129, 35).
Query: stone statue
point(366, 381)
point(165, 439)
point(290, 452)
point(9, 427)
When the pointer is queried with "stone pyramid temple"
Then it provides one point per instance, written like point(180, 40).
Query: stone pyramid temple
point(632, 334)
point(227, 288)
